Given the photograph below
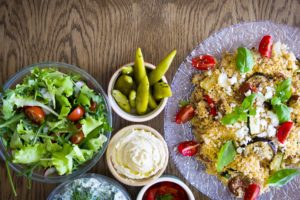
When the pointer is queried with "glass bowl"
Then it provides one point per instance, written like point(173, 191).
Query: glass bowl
point(103, 179)
point(92, 83)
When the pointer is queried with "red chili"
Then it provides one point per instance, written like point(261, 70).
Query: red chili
point(204, 62)
point(252, 192)
point(188, 148)
point(283, 131)
point(212, 105)
point(265, 46)
point(185, 114)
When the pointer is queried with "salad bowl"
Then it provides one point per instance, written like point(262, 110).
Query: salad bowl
point(42, 175)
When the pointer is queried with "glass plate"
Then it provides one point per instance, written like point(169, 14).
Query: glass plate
point(228, 39)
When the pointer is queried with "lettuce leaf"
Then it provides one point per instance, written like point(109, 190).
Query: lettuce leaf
point(63, 160)
point(29, 154)
point(65, 106)
point(89, 123)
point(96, 143)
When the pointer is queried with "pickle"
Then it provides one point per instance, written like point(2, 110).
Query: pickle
point(152, 103)
point(132, 98)
point(156, 74)
point(139, 66)
point(124, 83)
point(121, 100)
point(142, 96)
point(128, 70)
point(161, 90)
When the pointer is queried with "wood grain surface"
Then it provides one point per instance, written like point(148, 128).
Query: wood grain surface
point(100, 36)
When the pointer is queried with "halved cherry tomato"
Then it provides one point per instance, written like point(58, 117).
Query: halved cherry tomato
point(212, 105)
point(252, 192)
point(76, 114)
point(204, 62)
point(188, 148)
point(185, 114)
point(35, 113)
point(93, 106)
point(77, 138)
point(283, 131)
point(265, 46)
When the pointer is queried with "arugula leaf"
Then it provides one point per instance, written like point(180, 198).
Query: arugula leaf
point(240, 113)
point(15, 141)
point(226, 155)
point(29, 154)
point(11, 123)
point(244, 60)
point(283, 176)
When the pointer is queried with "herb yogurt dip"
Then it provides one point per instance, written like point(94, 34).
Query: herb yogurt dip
point(138, 154)
point(89, 189)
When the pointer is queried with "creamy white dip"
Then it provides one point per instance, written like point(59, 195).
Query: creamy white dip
point(138, 154)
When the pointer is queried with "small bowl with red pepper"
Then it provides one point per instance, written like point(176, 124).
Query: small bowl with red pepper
point(165, 188)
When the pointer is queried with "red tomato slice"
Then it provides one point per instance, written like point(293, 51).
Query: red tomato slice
point(93, 106)
point(283, 131)
point(265, 46)
point(76, 114)
point(204, 62)
point(212, 105)
point(151, 194)
point(185, 114)
point(35, 113)
point(252, 192)
point(188, 148)
point(77, 138)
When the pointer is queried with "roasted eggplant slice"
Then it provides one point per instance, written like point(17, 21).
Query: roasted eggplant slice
point(237, 185)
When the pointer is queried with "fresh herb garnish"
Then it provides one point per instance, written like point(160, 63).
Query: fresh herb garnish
point(241, 113)
point(282, 95)
point(226, 155)
point(165, 197)
point(183, 103)
point(244, 60)
point(283, 176)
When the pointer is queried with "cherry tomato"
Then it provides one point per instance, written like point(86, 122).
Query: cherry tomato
point(76, 114)
point(212, 105)
point(35, 113)
point(283, 131)
point(204, 62)
point(93, 106)
point(188, 148)
point(77, 138)
point(252, 192)
point(265, 46)
point(185, 114)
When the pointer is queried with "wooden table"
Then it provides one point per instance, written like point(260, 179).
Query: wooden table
point(100, 36)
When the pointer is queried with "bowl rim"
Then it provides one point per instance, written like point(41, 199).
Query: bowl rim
point(128, 181)
point(128, 116)
point(169, 178)
point(90, 175)
point(18, 168)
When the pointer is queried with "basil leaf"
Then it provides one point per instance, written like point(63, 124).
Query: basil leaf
point(240, 113)
point(248, 101)
point(244, 60)
point(226, 155)
point(252, 111)
point(284, 90)
point(283, 176)
point(275, 101)
point(283, 112)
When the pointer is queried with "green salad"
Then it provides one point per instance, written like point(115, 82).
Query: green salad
point(52, 121)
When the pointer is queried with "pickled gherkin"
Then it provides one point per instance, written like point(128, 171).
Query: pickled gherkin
point(142, 96)
point(121, 100)
point(161, 90)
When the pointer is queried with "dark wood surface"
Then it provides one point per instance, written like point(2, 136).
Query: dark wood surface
point(100, 36)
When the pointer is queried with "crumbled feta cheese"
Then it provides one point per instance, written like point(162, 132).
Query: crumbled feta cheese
point(209, 72)
point(263, 134)
point(271, 131)
point(233, 79)
point(232, 105)
point(223, 80)
point(248, 93)
point(273, 117)
point(254, 123)
point(260, 99)
point(263, 123)
point(269, 93)
point(241, 133)
point(246, 140)
point(240, 150)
